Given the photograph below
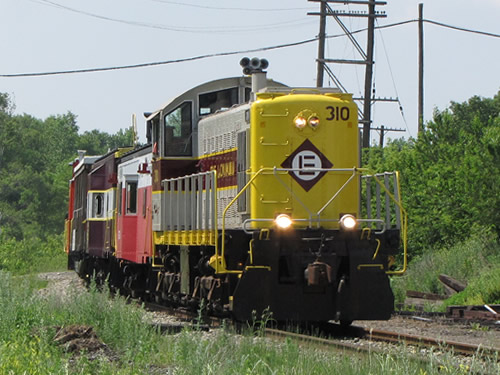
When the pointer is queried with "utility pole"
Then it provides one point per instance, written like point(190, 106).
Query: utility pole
point(321, 45)
point(367, 58)
point(420, 68)
point(384, 130)
point(367, 105)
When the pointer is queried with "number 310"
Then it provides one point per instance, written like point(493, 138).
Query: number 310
point(338, 113)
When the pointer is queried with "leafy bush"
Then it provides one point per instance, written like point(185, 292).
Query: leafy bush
point(32, 254)
point(468, 261)
point(484, 289)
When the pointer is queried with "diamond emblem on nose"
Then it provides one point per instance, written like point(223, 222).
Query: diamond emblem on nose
point(305, 157)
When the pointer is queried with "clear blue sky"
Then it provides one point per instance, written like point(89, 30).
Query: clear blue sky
point(58, 35)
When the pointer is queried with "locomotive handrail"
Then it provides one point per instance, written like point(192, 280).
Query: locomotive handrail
point(305, 90)
point(250, 231)
point(261, 141)
point(355, 171)
point(223, 230)
point(218, 260)
point(192, 199)
point(318, 214)
point(402, 212)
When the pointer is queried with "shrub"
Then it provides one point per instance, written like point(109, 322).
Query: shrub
point(466, 261)
point(32, 255)
point(483, 290)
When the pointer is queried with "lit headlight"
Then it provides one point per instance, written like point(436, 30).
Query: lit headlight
point(348, 222)
point(300, 122)
point(313, 122)
point(283, 221)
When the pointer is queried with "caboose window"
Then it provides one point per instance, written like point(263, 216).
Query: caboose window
point(132, 197)
point(98, 205)
point(177, 131)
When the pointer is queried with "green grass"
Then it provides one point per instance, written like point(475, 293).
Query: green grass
point(484, 289)
point(32, 255)
point(29, 322)
point(475, 261)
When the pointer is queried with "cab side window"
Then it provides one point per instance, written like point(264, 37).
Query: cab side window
point(177, 131)
point(212, 102)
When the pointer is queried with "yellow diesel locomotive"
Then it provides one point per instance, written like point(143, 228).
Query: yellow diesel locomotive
point(252, 199)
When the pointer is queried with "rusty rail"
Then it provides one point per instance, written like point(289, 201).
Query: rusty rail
point(407, 339)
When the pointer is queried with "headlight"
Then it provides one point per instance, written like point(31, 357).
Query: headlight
point(300, 122)
point(283, 221)
point(348, 222)
point(313, 122)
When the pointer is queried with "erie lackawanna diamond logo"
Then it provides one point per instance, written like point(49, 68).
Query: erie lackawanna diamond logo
point(305, 157)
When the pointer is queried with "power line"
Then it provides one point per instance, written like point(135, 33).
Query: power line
point(434, 23)
point(395, 89)
point(462, 29)
point(144, 65)
point(231, 29)
point(200, 57)
point(188, 29)
point(228, 8)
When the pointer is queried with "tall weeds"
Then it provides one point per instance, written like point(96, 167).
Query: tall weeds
point(29, 321)
point(474, 261)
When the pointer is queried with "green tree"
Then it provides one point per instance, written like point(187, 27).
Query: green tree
point(451, 174)
point(96, 142)
point(34, 171)
point(6, 104)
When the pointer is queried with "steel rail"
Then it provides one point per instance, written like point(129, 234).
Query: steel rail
point(356, 331)
point(408, 339)
point(308, 339)
point(368, 350)
point(390, 337)
point(209, 322)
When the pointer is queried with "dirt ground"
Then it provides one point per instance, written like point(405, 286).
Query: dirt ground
point(79, 339)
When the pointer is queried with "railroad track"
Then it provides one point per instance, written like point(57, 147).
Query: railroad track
point(491, 355)
point(386, 336)
point(407, 339)
point(340, 339)
point(334, 332)
point(456, 314)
